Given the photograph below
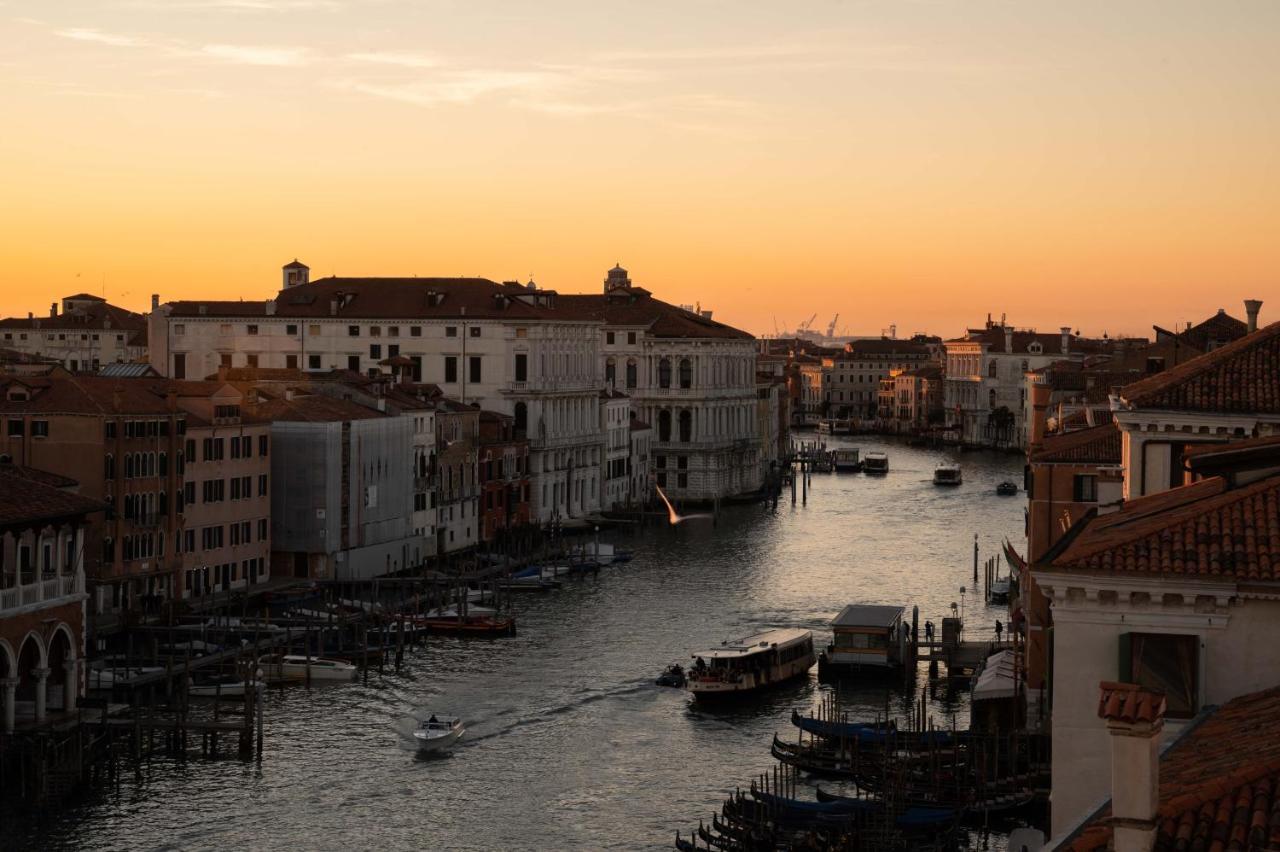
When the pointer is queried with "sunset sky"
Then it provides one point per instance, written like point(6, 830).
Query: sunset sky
point(921, 162)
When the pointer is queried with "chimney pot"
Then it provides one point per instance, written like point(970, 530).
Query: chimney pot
point(1066, 338)
point(155, 301)
point(1251, 309)
point(53, 309)
point(1135, 719)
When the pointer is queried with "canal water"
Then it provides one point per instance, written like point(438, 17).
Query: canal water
point(570, 745)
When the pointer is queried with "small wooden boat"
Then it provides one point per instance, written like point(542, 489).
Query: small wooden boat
point(1007, 488)
point(475, 621)
point(437, 735)
point(673, 677)
point(947, 474)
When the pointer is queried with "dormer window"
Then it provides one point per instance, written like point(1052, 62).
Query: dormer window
point(1035, 348)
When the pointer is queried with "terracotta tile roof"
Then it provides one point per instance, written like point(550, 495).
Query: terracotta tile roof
point(1219, 329)
point(1203, 530)
point(634, 306)
point(1095, 445)
point(1230, 448)
point(26, 498)
point(1050, 342)
point(312, 408)
point(1129, 702)
point(76, 394)
point(215, 308)
point(44, 477)
point(855, 348)
point(101, 316)
point(1219, 784)
point(1079, 419)
point(1241, 377)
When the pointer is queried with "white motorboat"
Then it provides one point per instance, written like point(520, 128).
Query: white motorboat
point(297, 666)
point(437, 735)
point(876, 463)
point(117, 675)
point(947, 474)
point(752, 662)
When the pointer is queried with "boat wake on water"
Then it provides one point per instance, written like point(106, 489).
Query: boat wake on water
point(550, 713)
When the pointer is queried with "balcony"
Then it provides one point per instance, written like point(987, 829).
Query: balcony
point(552, 386)
point(47, 590)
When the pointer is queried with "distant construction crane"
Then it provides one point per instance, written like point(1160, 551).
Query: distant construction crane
point(831, 329)
point(804, 326)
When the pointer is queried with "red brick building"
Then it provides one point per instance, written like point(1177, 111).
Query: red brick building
point(504, 475)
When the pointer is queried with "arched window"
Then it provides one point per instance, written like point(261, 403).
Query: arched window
point(664, 425)
point(611, 372)
point(108, 551)
point(109, 466)
point(163, 508)
point(128, 465)
point(686, 373)
point(164, 464)
point(631, 373)
point(686, 426)
point(664, 373)
point(991, 368)
point(992, 398)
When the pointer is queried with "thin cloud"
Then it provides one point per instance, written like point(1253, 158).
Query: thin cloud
point(460, 87)
point(241, 54)
point(402, 60)
point(99, 37)
point(236, 5)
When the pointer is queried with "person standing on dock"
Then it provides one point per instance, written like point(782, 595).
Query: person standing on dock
point(999, 630)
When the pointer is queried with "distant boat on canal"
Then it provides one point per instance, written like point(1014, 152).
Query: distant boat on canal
point(1007, 488)
point(747, 664)
point(296, 667)
point(876, 464)
point(947, 474)
point(437, 735)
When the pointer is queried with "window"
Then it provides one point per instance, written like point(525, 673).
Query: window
point(291, 330)
point(991, 368)
point(375, 351)
point(608, 338)
point(664, 373)
point(109, 428)
point(522, 332)
point(291, 362)
point(39, 428)
point(179, 365)
point(1085, 489)
point(1168, 663)
point(262, 485)
point(415, 331)
point(251, 330)
point(353, 331)
point(686, 373)
point(224, 359)
point(450, 369)
point(631, 374)
point(313, 330)
point(178, 330)
point(375, 331)
point(393, 349)
point(313, 362)
point(264, 442)
point(475, 331)
point(109, 466)
point(251, 359)
point(631, 338)
point(522, 367)
point(16, 429)
point(450, 331)
point(610, 371)
point(474, 371)
point(353, 363)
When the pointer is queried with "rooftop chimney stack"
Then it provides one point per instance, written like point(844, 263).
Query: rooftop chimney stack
point(1135, 718)
point(1008, 339)
point(1040, 395)
point(1066, 338)
point(1251, 309)
point(155, 301)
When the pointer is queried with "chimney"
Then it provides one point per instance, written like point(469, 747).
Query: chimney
point(288, 394)
point(333, 307)
point(30, 315)
point(1008, 339)
point(270, 308)
point(1040, 394)
point(1251, 308)
point(53, 310)
point(1135, 718)
point(1066, 338)
point(155, 301)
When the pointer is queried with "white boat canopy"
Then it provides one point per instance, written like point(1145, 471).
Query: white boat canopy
point(758, 643)
point(868, 615)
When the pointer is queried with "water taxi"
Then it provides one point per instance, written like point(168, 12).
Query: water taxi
point(747, 664)
point(437, 735)
point(876, 464)
point(1007, 489)
point(847, 460)
point(947, 474)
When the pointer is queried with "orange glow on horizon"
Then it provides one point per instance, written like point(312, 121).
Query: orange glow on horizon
point(908, 164)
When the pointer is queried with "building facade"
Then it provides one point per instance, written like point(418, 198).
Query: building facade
point(86, 335)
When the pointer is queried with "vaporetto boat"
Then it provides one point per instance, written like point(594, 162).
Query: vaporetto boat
point(752, 662)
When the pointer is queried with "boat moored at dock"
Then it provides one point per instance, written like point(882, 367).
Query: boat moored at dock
point(876, 463)
point(747, 664)
point(947, 474)
point(299, 667)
